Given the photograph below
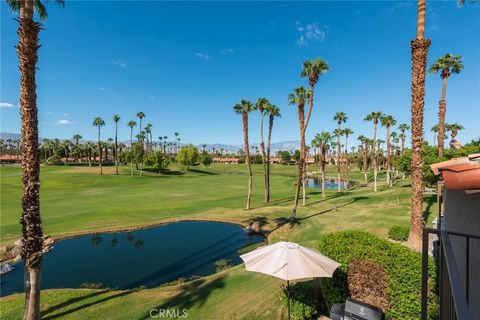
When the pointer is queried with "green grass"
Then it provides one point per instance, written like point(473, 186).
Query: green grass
point(77, 200)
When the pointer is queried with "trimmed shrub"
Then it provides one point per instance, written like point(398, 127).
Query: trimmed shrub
point(399, 233)
point(403, 268)
point(303, 301)
point(367, 282)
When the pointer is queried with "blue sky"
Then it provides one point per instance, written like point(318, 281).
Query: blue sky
point(186, 64)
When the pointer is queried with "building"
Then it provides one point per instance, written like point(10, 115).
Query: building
point(458, 234)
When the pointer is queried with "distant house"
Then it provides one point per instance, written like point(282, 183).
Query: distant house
point(459, 238)
point(226, 160)
point(9, 158)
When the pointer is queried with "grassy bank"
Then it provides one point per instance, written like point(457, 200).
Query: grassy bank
point(77, 199)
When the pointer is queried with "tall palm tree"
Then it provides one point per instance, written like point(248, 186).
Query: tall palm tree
point(116, 118)
point(32, 233)
point(446, 64)
point(131, 124)
point(312, 70)
point(419, 66)
point(176, 142)
point(403, 127)
point(262, 105)
point(243, 108)
point(204, 146)
point(374, 116)
point(273, 112)
point(98, 122)
point(364, 149)
point(339, 117)
point(298, 97)
point(346, 132)
point(323, 139)
point(148, 135)
point(388, 121)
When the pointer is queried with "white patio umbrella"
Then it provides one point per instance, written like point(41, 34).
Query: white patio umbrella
point(289, 261)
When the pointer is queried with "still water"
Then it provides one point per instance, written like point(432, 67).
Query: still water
point(146, 257)
point(329, 183)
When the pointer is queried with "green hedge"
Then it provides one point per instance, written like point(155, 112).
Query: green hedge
point(402, 266)
point(399, 233)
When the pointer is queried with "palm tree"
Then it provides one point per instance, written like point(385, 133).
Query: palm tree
point(273, 112)
point(339, 117)
point(346, 132)
point(176, 142)
point(131, 124)
point(165, 144)
point(243, 108)
point(364, 147)
point(98, 122)
point(204, 146)
point(374, 117)
point(262, 105)
point(454, 128)
point(323, 139)
point(77, 138)
point(403, 127)
point(32, 233)
point(312, 70)
point(446, 64)
point(299, 96)
point(388, 121)
point(116, 118)
point(148, 133)
point(419, 65)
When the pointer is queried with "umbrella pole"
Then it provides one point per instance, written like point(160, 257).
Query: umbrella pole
point(288, 298)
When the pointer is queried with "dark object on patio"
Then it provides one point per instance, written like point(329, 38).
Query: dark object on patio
point(355, 310)
point(337, 311)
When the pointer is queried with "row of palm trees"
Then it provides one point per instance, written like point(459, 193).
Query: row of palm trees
point(243, 108)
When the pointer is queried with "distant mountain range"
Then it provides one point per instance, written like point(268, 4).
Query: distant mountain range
point(230, 148)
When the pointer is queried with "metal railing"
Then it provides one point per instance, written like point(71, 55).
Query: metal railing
point(454, 295)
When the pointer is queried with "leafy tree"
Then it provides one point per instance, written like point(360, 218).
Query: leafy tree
point(445, 65)
point(158, 160)
point(188, 156)
point(286, 156)
point(205, 158)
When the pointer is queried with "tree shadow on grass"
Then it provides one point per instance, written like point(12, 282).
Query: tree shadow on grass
point(192, 294)
point(83, 306)
point(354, 199)
point(203, 172)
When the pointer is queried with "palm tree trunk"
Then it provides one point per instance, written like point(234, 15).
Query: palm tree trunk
point(131, 152)
point(419, 63)
point(304, 196)
point(99, 152)
point(364, 158)
point(247, 157)
point(270, 128)
point(322, 166)
point(441, 119)
point(301, 160)
point(374, 158)
point(32, 233)
point(115, 156)
point(339, 151)
point(264, 156)
point(388, 157)
point(346, 162)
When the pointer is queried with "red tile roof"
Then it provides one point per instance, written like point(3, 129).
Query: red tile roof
point(460, 173)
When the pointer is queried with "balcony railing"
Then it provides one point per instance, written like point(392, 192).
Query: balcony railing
point(454, 294)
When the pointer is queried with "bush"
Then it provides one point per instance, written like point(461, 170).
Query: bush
point(54, 161)
point(402, 266)
point(399, 233)
point(303, 301)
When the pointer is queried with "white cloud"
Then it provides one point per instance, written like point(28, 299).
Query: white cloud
point(6, 105)
point(225, 51)
point(49, 112)
point(66, 114)
point(311, 32)
point(64, 122)
point(203, 56)
point(119, 62)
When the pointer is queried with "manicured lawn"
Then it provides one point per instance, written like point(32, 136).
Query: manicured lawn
point(77, 199)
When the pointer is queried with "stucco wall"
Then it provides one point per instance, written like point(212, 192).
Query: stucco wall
point(462, 214)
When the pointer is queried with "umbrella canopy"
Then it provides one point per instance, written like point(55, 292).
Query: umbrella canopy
point(289, 261)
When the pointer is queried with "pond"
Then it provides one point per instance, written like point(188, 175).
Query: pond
point(146, 257)
point(329, 183)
